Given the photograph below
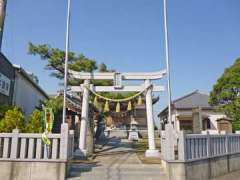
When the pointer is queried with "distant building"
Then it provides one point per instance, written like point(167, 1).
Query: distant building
point(27, 94)
point(193, 114)
point(123, 119)
point(7, 75)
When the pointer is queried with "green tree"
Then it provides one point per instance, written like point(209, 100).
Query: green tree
point(34, 124)
point(226, 93)
point(55, 103)
point(102, 68)
point(55, 61)
point(13, 119)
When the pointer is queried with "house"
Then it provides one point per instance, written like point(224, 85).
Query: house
point(7, 76)
point(27, 94)
point(193, 114)
point(19, 88)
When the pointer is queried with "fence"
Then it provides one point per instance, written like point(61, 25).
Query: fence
point(199, 156)
point(197, 146)
point(189, 147)
point(29, 147)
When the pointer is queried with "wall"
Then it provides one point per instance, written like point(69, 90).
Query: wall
point(26, 95)
point(7, 70)
point(213, 116)
point(33, 170)
point(203, 169)
point(23, 156)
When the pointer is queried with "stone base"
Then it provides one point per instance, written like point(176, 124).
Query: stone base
point(15, 170)
point(80, 154)
point(133, 136)
point(152, 153)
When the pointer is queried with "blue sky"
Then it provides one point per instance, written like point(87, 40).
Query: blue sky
point(128, 36)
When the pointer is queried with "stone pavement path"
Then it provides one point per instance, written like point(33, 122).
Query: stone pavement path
point(117, 161)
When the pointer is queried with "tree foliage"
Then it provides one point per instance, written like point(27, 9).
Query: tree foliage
point(226, 93)
point(3, 109)
point(34, 124)
point(55, 103)
point(13, 119)
point(55, 61)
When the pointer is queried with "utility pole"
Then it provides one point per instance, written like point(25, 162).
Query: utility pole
point(3, 5)
point(167, 61)
point(66, 62)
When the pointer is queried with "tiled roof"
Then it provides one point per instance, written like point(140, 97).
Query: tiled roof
point(189, 101)
point(192, 100)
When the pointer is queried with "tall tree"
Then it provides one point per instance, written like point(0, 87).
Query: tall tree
point(226, 93)
point(55, 61)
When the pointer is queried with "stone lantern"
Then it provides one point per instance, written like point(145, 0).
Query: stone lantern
point(133, 132)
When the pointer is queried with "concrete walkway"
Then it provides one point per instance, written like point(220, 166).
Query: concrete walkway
point(117, 161)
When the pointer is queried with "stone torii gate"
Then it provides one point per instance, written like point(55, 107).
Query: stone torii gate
point(118, 87)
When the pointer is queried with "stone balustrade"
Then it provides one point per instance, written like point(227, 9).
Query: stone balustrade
point(30, 147)
point(198, 146)
point(199, 156)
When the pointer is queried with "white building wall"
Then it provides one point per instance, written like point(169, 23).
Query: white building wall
point(26, 95)
point(212, 115)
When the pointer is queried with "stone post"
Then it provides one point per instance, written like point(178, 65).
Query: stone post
point(181, 146)
point(84, 119)
point(197, 121)
point(170, 142)
point(152, 151)
point(14, 145)
point(64, 142)
point(71, 144)
point(226, 144)
point(208, 145)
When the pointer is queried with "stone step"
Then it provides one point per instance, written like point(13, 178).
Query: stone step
point(115, 173)
point(101, 170)
point(120, 177)
point(122, 166)
point(136, 172)
point(127, 168)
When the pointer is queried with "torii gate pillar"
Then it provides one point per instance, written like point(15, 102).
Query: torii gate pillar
point(152, 151)
point(84, 119)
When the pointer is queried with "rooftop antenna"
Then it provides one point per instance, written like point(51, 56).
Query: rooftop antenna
point(3, 5)
point(167, 61)
point(66, 62)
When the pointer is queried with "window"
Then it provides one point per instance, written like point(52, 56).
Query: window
point(3, 85)
point(206, 124)
point(7, 86)
point(186, 125)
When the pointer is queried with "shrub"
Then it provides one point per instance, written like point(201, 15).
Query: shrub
point(4, 109)
point(13, 118)
point(34, 125)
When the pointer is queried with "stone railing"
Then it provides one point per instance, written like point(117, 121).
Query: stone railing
point(29, 147)
point(197, 146)
point(199, 156)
